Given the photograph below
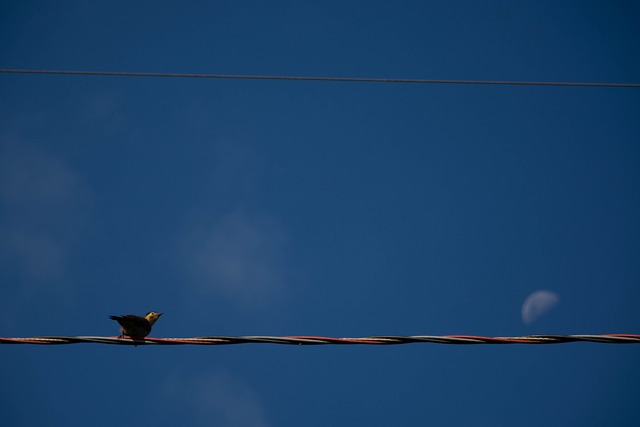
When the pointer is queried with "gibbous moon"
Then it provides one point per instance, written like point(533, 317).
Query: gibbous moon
point(537, 304)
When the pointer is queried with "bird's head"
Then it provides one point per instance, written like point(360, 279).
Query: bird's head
point(152, 316)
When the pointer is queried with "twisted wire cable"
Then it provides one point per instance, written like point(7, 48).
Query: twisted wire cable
point(315, 340)
point(315, 78)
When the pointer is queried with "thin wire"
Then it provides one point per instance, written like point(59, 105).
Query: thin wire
point(322, 79)
point(314, 340)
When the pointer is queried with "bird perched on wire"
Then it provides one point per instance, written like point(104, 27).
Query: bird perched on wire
point(136, 326)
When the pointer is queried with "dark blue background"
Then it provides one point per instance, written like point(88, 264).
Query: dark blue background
point(344, 209)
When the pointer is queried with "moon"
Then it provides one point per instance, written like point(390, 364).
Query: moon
point(537, 304)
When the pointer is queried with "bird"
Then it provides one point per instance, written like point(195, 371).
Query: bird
point(136, 326)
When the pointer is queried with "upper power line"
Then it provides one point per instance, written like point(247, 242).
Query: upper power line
point(322, 79)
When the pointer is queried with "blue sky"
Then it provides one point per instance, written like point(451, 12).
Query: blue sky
point(310, 208)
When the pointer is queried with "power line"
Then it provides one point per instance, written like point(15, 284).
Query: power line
point(314, 340)
point(321, 79)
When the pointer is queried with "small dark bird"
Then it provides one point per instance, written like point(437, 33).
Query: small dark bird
point(136, 326)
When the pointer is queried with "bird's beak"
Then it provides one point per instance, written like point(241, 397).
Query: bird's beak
point(160, 314)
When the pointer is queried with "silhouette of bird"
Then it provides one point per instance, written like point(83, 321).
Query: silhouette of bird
point(136, 326)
